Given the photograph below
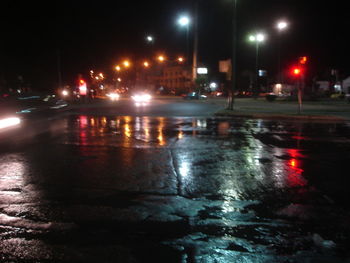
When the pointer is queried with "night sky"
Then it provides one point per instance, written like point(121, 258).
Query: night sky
point(96, 35)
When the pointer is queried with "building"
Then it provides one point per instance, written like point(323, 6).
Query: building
point(176, 79)
point(346, 85)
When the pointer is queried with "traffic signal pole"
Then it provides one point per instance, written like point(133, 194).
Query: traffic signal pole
point(301, 84)
point(300, 93)
point(299, 73)
point(195, 45)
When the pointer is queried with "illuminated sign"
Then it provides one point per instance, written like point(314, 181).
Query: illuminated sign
point(82, 88)
point(202, 71)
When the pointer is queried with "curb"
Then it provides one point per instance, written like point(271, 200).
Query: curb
point(282, 117)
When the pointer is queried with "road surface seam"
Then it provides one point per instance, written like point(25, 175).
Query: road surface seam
point(176, 173)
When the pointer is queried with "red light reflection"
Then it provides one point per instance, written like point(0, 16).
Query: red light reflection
point(295, 176)
point(83, 124)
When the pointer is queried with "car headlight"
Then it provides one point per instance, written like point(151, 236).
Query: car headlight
point(65, 93)
point(113, 96)
point(142, 98)
point(146, 97)
point(9, 122)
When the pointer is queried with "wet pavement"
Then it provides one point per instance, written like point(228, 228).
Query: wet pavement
point(155, 189)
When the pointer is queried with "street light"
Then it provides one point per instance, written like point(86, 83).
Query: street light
point(184, 21)
point(150, 39)
point(161, 58)
point(281, 26)
point(180, 59)
point(146, 64)
point(126, 63)
point(257, 38)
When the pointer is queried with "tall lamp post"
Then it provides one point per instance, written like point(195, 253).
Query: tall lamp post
point(195, 43)
point(184, 21)
point(257, 39)
point(281, 26)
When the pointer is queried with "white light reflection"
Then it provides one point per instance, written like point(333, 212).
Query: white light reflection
point(160, 137)
point(13, 170)
point(228, 205)
point(202, 123)
point(137, 124)
point(184, 168)
point(146, 127)
point(180, 135)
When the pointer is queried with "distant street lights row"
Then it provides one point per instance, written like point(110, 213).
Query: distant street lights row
point(260, 38)
point(161, 58)
point(185, 21)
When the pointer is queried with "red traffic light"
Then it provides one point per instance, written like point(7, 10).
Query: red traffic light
point(81, 82)
point(303, 60)
point(296, 71)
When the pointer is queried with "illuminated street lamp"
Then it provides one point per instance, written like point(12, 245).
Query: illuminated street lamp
point(257, 39)
point(180, 59)
point(126, 63)
point(184, 21)
point(146, 64)
point(161, 58)
point(150, 39)
point(281, 26)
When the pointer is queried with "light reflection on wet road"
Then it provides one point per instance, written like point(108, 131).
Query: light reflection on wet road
point(188, 189)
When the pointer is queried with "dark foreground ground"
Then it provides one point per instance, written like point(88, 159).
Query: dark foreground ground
point(103, 188)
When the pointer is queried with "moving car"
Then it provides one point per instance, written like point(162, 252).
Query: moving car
point(23, 111)
point(141, 98)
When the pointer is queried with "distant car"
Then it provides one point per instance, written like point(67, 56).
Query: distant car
point(194, 96)
point(141, 97)
point(244, 94)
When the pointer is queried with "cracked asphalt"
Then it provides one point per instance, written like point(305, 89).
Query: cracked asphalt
point(176, 189)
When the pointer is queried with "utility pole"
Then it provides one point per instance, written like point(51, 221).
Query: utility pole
point(195, 44)
point(257, 84)
point(234, 57)
point(59, 72)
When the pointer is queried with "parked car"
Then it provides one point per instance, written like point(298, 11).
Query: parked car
point(194, 96)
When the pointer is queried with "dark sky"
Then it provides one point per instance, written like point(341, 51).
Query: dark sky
point(96, 35)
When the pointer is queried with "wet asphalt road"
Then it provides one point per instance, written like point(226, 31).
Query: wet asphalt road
point(95, 188)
